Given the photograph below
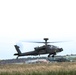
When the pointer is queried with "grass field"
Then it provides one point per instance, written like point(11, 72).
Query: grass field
point(61, 68)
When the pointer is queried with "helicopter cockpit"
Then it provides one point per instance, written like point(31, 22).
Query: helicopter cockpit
point(53, 47)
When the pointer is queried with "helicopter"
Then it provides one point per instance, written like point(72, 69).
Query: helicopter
point(45, 49)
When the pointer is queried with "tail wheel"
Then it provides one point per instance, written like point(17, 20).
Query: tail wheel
point(17, 57)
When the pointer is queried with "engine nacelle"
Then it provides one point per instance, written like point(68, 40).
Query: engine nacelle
point(39, 48)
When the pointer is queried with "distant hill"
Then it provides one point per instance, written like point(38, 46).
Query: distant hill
point(19, 61)
point(55, 59)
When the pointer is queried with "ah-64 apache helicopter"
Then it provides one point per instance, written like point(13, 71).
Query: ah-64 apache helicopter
point(45, 49)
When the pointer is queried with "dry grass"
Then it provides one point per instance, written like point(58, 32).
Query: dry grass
point(39, 68)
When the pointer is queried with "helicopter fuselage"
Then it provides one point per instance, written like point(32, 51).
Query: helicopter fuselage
point(49, 49)
point(45, 49)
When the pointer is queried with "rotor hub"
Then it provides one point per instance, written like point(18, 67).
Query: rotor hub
point(46, 39)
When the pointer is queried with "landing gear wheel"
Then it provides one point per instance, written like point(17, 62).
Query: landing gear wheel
point(53, 56)
point(17, 58)
point(49, 55)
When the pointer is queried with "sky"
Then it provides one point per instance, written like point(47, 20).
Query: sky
point(33, 20)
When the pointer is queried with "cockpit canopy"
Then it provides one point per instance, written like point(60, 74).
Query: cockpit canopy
point(53, 47)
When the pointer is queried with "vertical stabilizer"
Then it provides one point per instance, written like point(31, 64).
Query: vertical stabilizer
point(17, 49)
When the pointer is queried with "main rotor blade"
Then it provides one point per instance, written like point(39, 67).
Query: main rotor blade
point(57, 42)
point(39, 42)
point(33, 42)
point(44, 42)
